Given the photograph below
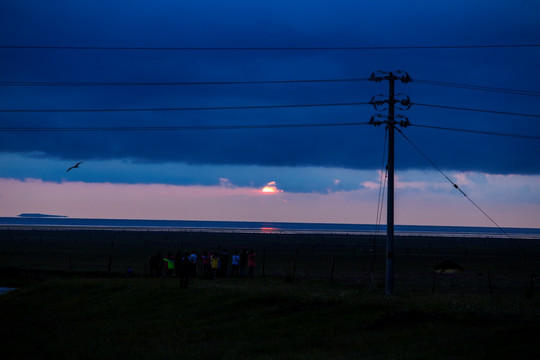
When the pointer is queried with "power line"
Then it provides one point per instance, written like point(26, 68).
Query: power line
point(447, 178)
point(476, 110)
point(172, 128)
point(292, 48)
point(380, 201)
point(182, 108)
point(237, 127)
point(106, 83)
point(478, 132)
point(479, 87)
point(382, 185)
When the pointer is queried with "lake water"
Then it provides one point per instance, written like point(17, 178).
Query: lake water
point(243, 226)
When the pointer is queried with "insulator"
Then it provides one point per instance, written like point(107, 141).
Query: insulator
point(405, 78)
point(404, 123)
point(372, 121)
point(375, 78)
point(407, 103)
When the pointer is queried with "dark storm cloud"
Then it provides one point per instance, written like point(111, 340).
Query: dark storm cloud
point(261, 24)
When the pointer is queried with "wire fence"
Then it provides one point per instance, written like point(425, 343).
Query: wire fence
point(438, 265)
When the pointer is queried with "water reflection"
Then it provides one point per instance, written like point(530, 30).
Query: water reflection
point(4, 290)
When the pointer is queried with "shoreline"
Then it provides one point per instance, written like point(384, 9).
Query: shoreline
point(269, 230)
point(262, 227)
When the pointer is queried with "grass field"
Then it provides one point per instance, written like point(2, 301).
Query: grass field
point(74, 301)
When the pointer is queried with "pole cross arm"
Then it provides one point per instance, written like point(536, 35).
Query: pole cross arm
point(400, 99)
point(379, 76)
point(404, 122)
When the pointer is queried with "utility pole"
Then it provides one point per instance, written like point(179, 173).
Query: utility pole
point(390, 195)
point(390, 123)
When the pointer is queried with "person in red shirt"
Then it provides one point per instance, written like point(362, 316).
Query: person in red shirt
point(251, 263)
point(207, 268)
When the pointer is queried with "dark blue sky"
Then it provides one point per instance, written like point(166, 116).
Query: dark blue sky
point(271, 24)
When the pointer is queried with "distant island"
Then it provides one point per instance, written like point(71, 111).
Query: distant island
point(37, 215)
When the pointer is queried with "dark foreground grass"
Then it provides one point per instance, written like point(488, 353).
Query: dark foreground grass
point(74, 303)
point(263, 318)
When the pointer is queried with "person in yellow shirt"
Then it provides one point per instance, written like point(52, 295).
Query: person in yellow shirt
point(215, 264)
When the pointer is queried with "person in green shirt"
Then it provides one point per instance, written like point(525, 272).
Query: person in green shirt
point(169, 261)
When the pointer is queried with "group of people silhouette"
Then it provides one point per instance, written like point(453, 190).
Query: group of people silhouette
point(186, 265)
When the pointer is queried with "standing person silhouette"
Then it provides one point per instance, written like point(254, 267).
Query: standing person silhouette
point(251, 263)
point(184, 270)
point(235, 264)
point(177, 259)
point(156, 265)
point(224, 258)
point(169, 262)
point(215, 265)
point(206, 264)
point(193, 261)
point(243, 262)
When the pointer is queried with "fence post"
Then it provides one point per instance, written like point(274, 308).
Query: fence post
point(489, 282)
point(146, 268)
point(264, 262)
point(333, 268)
point(530, 292)
point(294, 265)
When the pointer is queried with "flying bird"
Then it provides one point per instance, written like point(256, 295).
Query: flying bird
point(75, 166)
